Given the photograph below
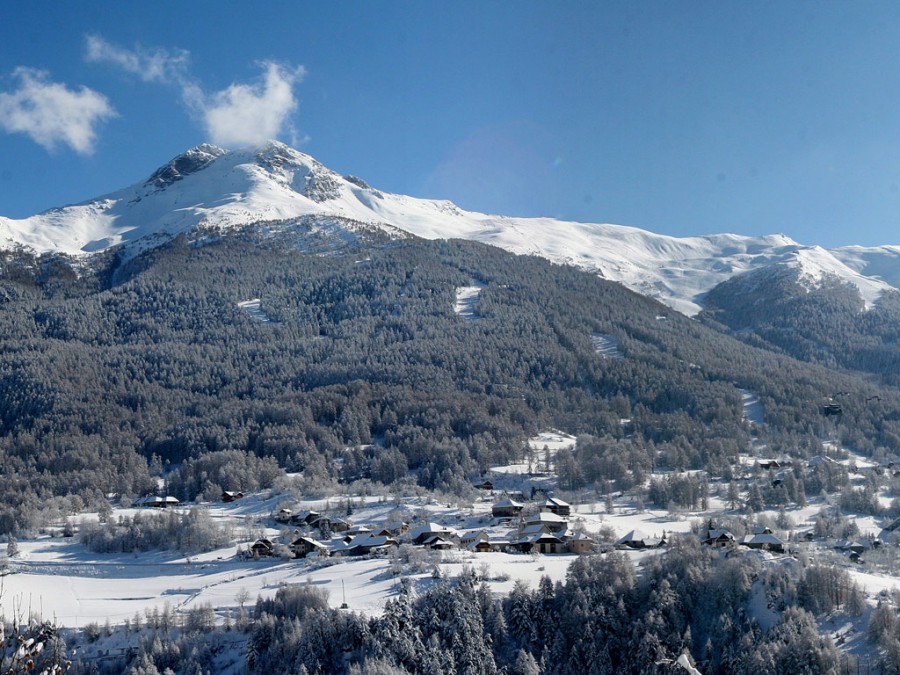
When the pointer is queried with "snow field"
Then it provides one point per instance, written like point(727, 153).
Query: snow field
point(466, 298)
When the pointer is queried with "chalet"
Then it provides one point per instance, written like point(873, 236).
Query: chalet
point(333, 524)
point(397, 527)
point(719, 538)
point(580, 543)
point(764, 541)
point(484, 485)
point(357, 529)
point(305, 517)
point(557, 506)
point(423, 532)
point(339, 524)
point(536, 528)
point(480, 546)
point(542, 543)
point(262, 548)
point(303, 546)
point(553, 522)
point(766, 464)
point(438, 543)
point(639, 540)
point(366, 543)
point(845, 546)
point(507, 508)
point(154, 502)
point(284, 515)
point(466, 539)
point(229, 496)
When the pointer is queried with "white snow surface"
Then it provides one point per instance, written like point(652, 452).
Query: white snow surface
point(466, 297)
point(606, 346)
point(211, 187)
point(753, 409)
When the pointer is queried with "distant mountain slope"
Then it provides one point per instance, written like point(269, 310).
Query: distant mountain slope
point(208, 187)
point(364, 346)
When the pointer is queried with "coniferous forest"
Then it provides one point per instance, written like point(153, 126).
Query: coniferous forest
point(116, 374)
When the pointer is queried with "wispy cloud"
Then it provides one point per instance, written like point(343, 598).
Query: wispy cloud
point(51, 113)
point(242, 114)
point(151, 65)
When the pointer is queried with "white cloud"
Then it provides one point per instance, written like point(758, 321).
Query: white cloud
point(153, 65)
point(247, 114)
point(242, 114)
point(51, 113)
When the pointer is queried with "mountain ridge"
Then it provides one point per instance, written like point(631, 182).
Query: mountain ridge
point(210, 187)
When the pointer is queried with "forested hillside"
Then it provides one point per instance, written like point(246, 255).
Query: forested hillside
point(110, 373)
point(828, 324)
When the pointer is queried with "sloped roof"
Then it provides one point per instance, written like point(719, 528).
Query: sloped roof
point(634, 535)
point(507, 504)
point(765, 538)
point(545, 517)
point(554, 501)
point(431, 528)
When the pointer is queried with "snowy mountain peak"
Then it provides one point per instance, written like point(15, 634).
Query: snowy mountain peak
point(209, 187)
point(184, 164)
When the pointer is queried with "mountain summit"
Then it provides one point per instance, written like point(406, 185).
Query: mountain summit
point(209, 187)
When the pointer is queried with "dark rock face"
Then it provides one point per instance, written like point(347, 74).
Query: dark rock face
point(190, 162)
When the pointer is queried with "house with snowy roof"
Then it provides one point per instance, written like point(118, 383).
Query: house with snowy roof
point(155, 502)
point(543, 542)
point(719, 538)
point(507, 508)
point(553, 522)
point(427, 530)
point(262, 548)
point(303, 546)
point(638, 540)
point(363, 544)
point(763, 541)
point(580, 543)
point(557, 506)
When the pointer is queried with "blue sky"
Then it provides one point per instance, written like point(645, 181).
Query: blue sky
point(681, 118)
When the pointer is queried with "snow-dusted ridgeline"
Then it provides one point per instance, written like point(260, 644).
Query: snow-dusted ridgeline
point(214, 188)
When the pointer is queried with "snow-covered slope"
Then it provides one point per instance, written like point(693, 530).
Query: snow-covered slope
point(210, 187)
point(880, 262)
